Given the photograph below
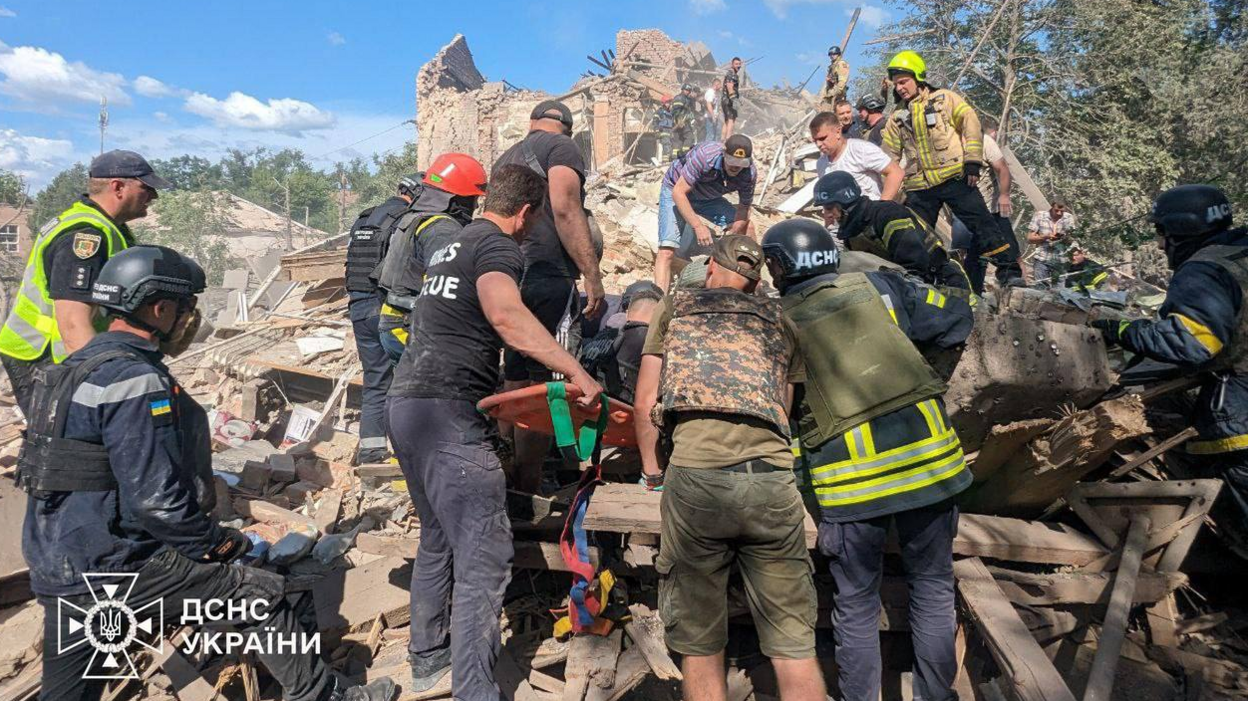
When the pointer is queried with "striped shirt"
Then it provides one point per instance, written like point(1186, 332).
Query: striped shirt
point(703, 169)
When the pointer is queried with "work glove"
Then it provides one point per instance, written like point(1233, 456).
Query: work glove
point(233, 545)
point(1111, 329)
point(971, 170)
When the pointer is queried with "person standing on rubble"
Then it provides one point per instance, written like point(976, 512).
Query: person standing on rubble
point(710, 100)
point(837, 80)
point(1202, 326)
point(1050, 233)
point(728, 99)
point(685, 118)
point(871, 116)
point(557, 250)
point(471, 305)
point(877, 448)
point(994, 186)
point(693, 188)
point(366, 249)
point(878, 176)
point(116, 489)
point(888, 230)
point(51, 314)
point(939, 135)
point(716, 372)
point(445, 202)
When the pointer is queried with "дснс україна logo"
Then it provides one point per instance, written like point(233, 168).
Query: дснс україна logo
point(110, 626)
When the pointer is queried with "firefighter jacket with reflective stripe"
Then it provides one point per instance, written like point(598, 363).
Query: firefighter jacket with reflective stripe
point(31, 327)
point(135, 411)
point(369, 240)
point(862, 336)
point(726, 352)
point(937, 132)
point(893, 232)
point(1202, 325)
point(403, 270)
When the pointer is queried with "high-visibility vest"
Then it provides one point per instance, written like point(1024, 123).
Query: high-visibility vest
point(31, 326)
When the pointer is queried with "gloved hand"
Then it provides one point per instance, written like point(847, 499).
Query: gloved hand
point(653, 483)
point(971, 170)
point(1111, 329)
point(233, 545)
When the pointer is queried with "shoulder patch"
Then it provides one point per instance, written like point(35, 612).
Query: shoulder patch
point(52, 224)
point(86, 244)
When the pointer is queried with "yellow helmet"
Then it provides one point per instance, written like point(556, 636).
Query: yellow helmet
point(908, 62)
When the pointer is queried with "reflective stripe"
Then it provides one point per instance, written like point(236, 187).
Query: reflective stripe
point(926, 409)
point(888, 303)
point(866, 440)
point(1201, 333)
point(935, 298)
point(1218, 445)
point(91, 395)
point(893, 227)
point(897, 457)
point(893, 484)
point(373, 442)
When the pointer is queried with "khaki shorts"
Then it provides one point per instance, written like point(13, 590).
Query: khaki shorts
point(713, 519)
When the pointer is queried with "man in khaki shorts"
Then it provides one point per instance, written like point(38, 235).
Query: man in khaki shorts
point(721, 361)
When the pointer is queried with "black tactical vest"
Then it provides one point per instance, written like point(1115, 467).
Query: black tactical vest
point(369, 241)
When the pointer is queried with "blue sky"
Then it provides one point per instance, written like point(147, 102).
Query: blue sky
point(320, 75)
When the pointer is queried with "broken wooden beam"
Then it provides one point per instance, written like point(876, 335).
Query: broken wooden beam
point(647, 633)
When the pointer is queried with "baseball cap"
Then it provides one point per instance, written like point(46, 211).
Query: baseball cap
point(740, 254)
point(738, 150)
point(553, 109)
point(126, 164)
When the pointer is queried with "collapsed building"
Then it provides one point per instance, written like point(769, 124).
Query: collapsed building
point(1060, 587)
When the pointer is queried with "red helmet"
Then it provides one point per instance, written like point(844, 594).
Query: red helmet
point(456, 173)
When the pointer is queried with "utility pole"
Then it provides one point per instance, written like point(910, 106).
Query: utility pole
point(342, 199)
point(290, 244)
point(103, 120)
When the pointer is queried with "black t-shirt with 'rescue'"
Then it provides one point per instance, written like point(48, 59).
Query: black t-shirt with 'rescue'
point(454, 351)
point(543, 251)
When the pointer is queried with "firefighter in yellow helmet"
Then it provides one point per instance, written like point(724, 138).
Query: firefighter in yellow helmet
point(939, 136)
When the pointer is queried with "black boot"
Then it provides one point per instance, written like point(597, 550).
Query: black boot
point(429, 668)
point(378, 690)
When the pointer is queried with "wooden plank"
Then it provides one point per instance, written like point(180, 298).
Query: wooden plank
point(591, 663)
point(1029, 589)
point(261, 510)
point(530, 555)
point(349, 598)
point(1168, 444)
point(629, 672)
point(647, 633)
point(188, 685)
point(1029, 671)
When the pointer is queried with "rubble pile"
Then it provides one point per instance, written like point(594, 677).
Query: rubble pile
point(1069, 458)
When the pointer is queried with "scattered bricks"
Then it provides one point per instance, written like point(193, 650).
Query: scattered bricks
point(249, 406)
point(282, 468)
point(326, 514)
point(255, 476)
point(316, 471)
point(299, 492)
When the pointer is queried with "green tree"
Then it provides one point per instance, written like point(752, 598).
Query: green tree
point(192, 223)
point(13, 190)
point(191, 173)
point(66, 187)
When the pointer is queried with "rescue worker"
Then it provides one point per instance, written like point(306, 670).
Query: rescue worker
point(445, 203)
point(366, 249)
point(684, 120)
point(728, 99)
point(939, 135)
point(717, 371)
point(1202, 326)
point(664, 123)
point(613, 356)
point(51, 314)
point(114, 491)
point(890, 231)
point(994, 185)
point(1084, 274)
point(876, 446)
point(871, 117)
point(837, 80)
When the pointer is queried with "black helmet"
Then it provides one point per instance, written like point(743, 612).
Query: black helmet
point(837, 187)
point(410, 185)
point(797, 249)
point(1190, 212)
point(871, 103)
point(140, 274)
point(642, 289)
point(687, 87)
point(834, 51)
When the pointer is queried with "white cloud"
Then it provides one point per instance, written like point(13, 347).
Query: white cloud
point(872, 15)
point(336, 39)
point(6, 12)
point(246, 112)
point(45, 78)
point(150, 87)
point(706, 7)
point(34, 158)
point(811, 58)
point(161, 116)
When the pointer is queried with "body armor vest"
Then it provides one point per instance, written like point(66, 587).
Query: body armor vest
point(369, 241)
point(726, 353)
point(1234, 260)
point(400, 274)
point(859, 363)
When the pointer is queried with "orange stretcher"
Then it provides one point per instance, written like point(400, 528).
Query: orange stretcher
point(530, 408)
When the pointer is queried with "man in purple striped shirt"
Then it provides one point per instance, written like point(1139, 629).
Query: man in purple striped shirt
point(693, 190)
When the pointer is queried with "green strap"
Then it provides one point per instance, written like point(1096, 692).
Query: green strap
point(561, 419)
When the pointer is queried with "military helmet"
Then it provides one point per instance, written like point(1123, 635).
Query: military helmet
point(410, 185)
point(837, 187)
point(797, 249)
point(142, 274)
point(834, 51)
point(642, 289)
point(1190, 212)
point(908, 62)
point(871, 103)
point(687, 87)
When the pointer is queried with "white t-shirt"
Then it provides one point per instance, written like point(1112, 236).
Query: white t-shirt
point(861, 159)
point(711, 97)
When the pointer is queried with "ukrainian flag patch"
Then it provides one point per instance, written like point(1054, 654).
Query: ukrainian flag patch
point(160, 407)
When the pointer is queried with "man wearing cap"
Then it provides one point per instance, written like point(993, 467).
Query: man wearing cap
point(693, 188)
point(557, 250)
point(52, 314)
point(871, 116)
point(716, 380)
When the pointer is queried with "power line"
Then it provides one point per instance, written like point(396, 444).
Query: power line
point(367, 138)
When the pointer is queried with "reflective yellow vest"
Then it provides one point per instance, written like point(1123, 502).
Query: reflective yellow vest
point(937, 132)
point(31, 326)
